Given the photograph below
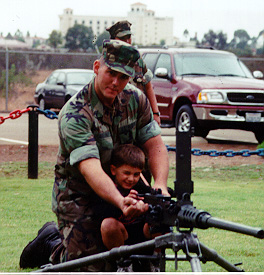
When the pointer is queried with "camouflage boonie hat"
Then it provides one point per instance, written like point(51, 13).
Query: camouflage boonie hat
point(120, 29)
point(120, 56)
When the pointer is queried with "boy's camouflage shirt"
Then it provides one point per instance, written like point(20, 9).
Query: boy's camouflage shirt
point(88, 129)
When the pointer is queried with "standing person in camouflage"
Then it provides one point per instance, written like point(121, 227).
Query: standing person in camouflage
point(121, 31)
point(104, 114)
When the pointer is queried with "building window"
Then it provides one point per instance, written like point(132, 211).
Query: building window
point(91, 22)
point(83, 22)
point(98, 22)
point(75, 22)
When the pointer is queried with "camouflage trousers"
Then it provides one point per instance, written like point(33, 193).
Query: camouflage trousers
point(80, 240)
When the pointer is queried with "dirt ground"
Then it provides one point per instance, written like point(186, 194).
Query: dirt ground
point(23, 96)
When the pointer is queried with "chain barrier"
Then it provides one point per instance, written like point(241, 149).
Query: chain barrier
point(47, 113)
point(18, 113)
point(226, 153)
point(15, 114)
point(196, 152)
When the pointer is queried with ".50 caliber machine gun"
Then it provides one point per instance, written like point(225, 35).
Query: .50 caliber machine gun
point(165, 212)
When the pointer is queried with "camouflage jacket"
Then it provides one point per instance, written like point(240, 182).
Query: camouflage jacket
point(88, 129)
point(142, 75)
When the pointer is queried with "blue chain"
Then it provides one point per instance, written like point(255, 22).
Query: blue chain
point(226, 153)
point(196, 152)
point(48, 113)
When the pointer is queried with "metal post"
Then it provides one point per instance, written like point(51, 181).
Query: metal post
point(183, 183)
point(32, 144)
point(7, 76)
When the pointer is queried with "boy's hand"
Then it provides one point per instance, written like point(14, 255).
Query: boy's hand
point(134, 195)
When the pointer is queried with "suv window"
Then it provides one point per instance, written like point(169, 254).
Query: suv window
point(164, 61)
point(208, 64)
point(150, 60)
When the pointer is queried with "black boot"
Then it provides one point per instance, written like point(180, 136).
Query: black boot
point(38, 251)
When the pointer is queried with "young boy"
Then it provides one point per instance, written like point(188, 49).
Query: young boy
point(127, 163)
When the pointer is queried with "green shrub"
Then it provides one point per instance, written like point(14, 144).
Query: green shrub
point(14, 77)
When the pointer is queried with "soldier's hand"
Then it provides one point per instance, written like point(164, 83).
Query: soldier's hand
point(134, 207)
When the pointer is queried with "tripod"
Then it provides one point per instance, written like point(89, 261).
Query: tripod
point(180, 214)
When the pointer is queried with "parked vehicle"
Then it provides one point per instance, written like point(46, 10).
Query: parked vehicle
point(206, 89)
point(60, 86)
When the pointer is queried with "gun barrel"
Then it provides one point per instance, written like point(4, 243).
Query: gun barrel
point(235, 227)
point(189, 216)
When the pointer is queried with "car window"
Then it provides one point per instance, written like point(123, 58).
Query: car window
point(150, 60)
point(245, 69)
point(208, 64)
point(164, 61)
point(61, 78)
point(52, 79)
point(79, 78)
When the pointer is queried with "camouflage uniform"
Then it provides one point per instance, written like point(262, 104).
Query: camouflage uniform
point(120, 29)
point(88, 129)
point(142, 74)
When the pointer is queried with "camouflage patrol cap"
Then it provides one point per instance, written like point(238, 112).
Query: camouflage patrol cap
point(120, 56)
point(119, 29)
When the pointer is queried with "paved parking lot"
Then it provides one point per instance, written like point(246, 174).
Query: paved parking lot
point(15, 131)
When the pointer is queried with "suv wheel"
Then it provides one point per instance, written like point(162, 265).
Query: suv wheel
point(42, 104)
point(184, 119)
point(259, 136)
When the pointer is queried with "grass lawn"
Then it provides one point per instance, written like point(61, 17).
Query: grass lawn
point(234, 193)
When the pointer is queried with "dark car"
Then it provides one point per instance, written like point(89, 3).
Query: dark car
point(60, 86)
point(206, 89)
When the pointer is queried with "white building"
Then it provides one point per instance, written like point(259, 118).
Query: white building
point(146, 28)
point(12, 44)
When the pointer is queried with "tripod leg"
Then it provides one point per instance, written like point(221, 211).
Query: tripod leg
point(195, 264)
point(212, 255)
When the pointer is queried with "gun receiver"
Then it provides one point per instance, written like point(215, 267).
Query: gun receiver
point(164, 211)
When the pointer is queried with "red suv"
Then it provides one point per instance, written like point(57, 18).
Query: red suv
point(206, 89)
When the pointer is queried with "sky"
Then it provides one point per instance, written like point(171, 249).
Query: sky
point(197, 16)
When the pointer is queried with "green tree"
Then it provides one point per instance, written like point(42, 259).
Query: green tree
point(162, 42)
point(186, 33)
point(79, 37)
point(240, 44)
point(216, 40)
point(19, 36)
point(55, 39)
point(9, 36)
point(101, 38)
point(242, 38)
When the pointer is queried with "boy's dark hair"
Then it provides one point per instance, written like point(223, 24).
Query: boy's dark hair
point(128, 154)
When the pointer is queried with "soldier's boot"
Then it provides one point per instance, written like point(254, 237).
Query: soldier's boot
point(38, 251)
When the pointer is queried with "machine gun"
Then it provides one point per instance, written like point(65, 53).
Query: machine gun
point(165, 212)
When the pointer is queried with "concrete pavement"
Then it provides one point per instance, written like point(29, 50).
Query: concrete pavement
point(15, 131)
